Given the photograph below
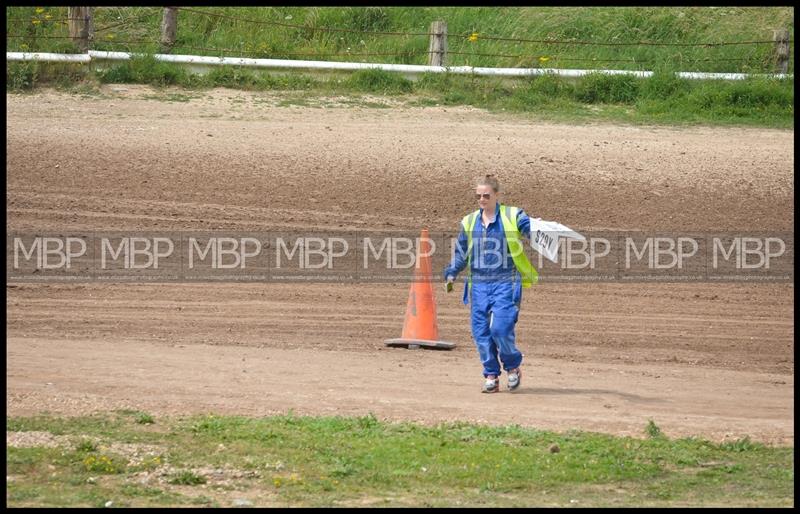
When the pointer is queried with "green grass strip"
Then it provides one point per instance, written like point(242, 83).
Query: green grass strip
point(663, 98)
point(340, 461)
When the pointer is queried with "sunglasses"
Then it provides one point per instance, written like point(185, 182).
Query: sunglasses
point(485, 196)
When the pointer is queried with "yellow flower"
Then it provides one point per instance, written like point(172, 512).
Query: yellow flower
point(473, 37)
point(543, 59)
point(109, 36)
point(23, 46)
point(39, 10)
point(36, 22)
point(48, 16)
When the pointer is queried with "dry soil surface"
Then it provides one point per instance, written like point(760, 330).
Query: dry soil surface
point(707, 359)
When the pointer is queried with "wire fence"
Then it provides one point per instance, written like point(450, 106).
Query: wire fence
point(42, 20)
point(301, 54)
point(475, 37)
point(304, 27)
point(551, 50)
point(122, 23)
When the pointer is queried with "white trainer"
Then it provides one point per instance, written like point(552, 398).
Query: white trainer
point(514, 378)
point(492, 385)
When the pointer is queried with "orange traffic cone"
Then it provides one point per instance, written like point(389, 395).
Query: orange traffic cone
point(419, 328)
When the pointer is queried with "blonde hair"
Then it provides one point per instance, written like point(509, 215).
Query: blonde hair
point(491, 181)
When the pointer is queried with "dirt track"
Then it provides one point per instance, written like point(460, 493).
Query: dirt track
point(714, 360)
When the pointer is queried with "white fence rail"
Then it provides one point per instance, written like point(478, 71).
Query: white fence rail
point(409, 69)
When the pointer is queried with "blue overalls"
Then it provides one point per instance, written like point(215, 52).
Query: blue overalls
point(496, 291)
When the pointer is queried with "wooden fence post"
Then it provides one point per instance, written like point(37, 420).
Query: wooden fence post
point(169, 27)
point(781, 37)
point(80, 26)
point(437, 49)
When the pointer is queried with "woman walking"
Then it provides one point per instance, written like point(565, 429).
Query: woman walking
point(489, 246)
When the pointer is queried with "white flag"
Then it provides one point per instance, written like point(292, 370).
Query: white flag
point(545, 234)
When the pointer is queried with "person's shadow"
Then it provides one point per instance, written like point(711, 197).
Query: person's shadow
point(635, 398)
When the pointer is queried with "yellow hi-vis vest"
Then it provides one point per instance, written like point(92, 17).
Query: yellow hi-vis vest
point(508, 217)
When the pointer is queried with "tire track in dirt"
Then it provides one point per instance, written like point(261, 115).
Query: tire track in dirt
point(579, 320)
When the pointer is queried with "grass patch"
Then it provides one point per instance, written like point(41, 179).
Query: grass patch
point(379, 81)
point(663, 98)
point(144, 418)
point(86, 446)
point(299, 102)
point(26, 76)
point(103, 464)
point(144, 69)
point(22, 76)
point(652, 430)
point(170, 97)
point(338, 461)
point(186, 478)
point(598, 88)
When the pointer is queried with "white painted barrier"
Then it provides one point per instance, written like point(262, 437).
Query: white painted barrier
point(354, 66)
point(47, 57)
